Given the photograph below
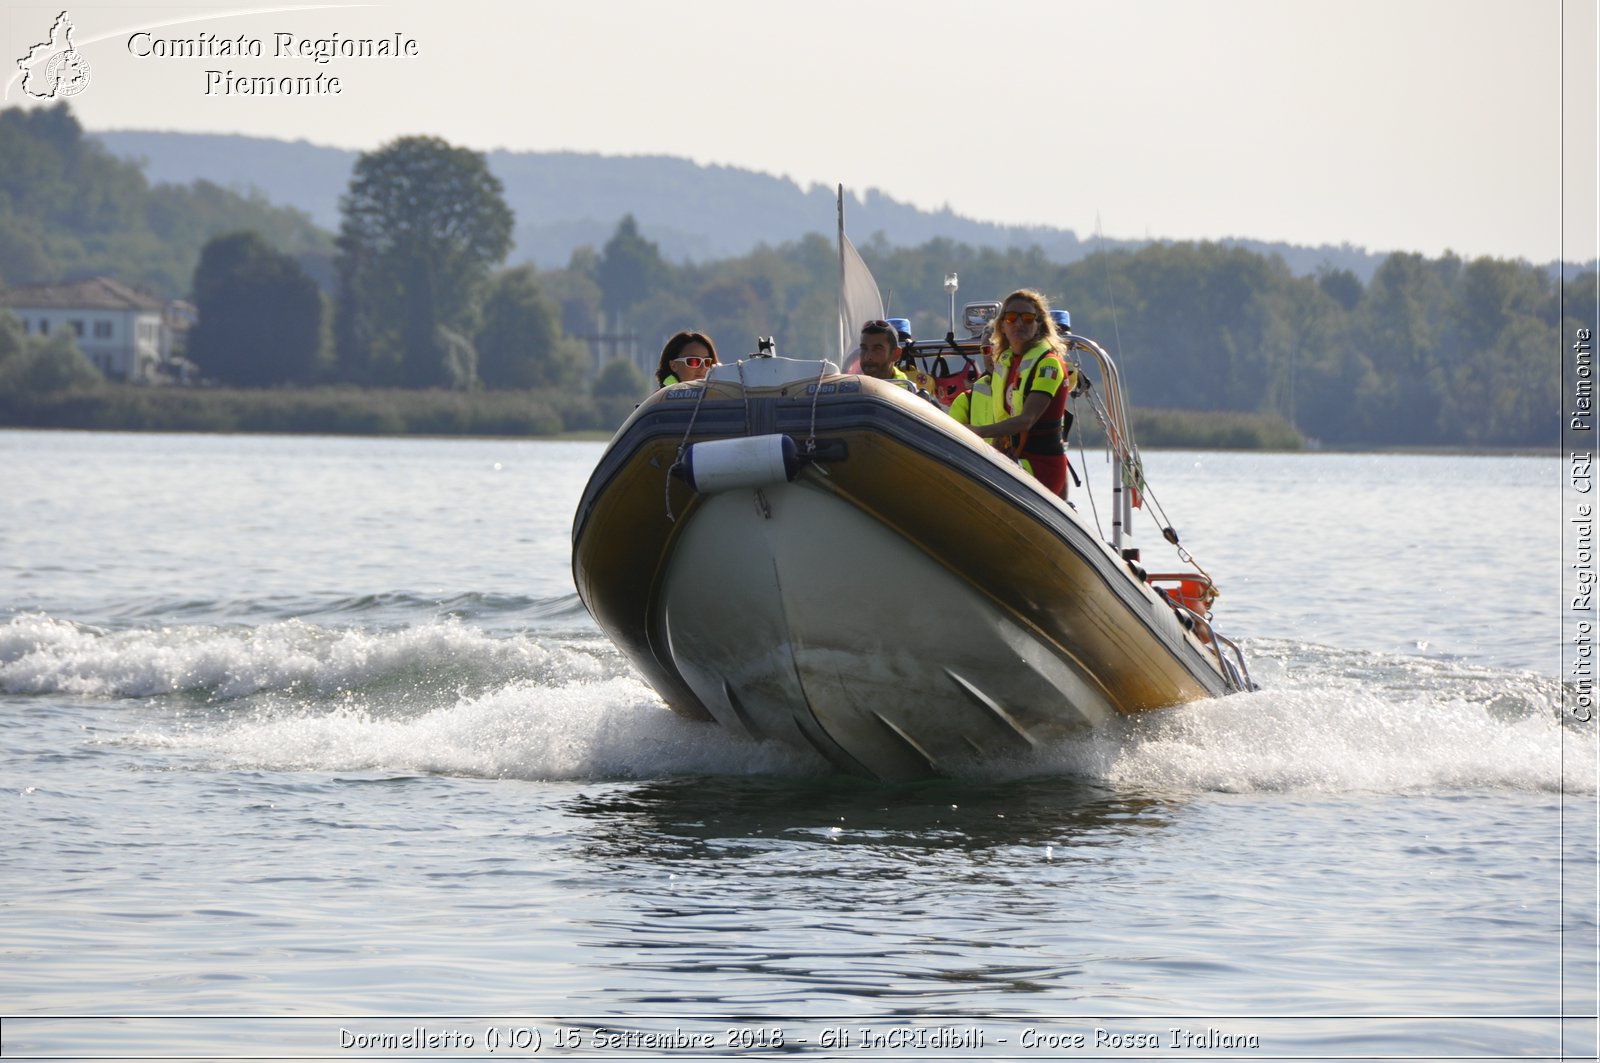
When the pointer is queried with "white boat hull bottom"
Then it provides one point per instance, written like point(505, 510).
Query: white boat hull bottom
point(794, 616)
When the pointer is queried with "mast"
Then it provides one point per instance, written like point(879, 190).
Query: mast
point(841, 275)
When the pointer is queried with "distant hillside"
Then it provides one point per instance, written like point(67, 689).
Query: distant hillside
point(70, 209)
point(565, 200)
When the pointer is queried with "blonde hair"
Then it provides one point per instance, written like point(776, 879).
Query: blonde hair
point(1047, 325)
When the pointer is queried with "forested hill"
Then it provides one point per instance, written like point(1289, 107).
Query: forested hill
point(565, 200)
point(1433, 352)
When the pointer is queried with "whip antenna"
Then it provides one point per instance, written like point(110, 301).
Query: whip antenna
point(1105, 274)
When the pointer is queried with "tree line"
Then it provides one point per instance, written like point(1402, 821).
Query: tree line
point(1432, 351)
point(416, 294)
point(70, 209)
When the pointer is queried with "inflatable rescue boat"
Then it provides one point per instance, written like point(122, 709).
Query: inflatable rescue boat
point(831, 561)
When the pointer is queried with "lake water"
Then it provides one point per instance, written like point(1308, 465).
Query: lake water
point(310, 751)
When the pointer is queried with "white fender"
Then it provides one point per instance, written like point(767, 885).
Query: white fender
point(748, 461)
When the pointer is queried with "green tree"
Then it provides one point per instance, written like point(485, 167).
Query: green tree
point(617, 389)
point(666, 312)
point(36, 365)
point(423, 226)
point(24, 257)
point(69, 208)
point(1196, 321)
point(733, 310)
point(261, 317)
point(1325, 369)
point(576, 289)
point(1398, 327)
point(807, 308)
point(1502, 331)
point(619, 379)
point(520, 343)
point(630, 268)
point(1340, 285)
point(356, 333)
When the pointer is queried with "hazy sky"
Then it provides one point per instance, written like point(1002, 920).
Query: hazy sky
point(1424, 125)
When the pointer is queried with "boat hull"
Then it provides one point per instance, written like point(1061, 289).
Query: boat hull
point(904, 604)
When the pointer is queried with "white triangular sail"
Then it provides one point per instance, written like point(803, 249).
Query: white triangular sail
point(859, 299)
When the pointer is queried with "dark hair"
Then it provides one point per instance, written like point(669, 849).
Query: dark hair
point(881, 327)
point(675, 347)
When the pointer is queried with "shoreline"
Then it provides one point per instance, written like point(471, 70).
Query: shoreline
point(603, 436)
point(345, 410)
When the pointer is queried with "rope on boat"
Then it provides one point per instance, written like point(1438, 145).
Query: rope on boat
point(1088, 488)
point(816, 393)
point(683, 449)
point(1135, 478)
point(683, 444)
point(1136, 481)
point(1170, 534)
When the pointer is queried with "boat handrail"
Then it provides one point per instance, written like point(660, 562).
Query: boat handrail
point(1238, 656)
point(1119, 436)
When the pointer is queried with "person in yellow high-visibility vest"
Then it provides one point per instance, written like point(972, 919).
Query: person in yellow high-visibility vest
point(1033, 382)
point(880, 350)
point(976, 406)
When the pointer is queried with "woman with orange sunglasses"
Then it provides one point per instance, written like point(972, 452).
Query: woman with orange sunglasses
point(1032, 382)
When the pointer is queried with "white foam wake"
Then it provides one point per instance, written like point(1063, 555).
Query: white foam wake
point(444, 697)
point(43, 655)
point(1310, 740)
point(613, 728)
point(1313, 734)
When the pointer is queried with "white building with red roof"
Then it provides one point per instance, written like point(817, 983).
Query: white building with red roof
point(122, 330)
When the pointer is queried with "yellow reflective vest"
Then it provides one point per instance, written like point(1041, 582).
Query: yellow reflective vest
point(1030, 376)
point(976, 407)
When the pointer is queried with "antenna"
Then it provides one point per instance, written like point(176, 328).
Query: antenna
point(1111, 301)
